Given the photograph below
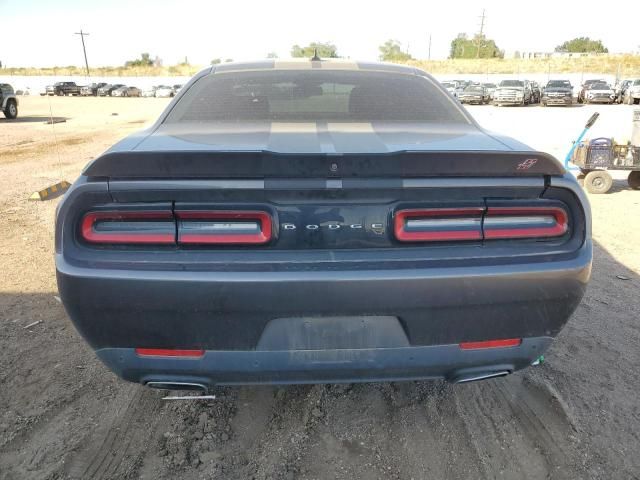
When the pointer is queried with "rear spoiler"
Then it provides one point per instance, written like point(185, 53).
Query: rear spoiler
point(265, 164)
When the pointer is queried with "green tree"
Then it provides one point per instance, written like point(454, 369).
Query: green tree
point(582, 45)
point(391, 51)
point(216, 61)
point(143, 61)
point(324, 49)
point(477, 47)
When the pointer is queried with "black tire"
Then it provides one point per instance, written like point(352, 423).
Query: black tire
point(634, 179)
point(598, 181)
point(11, 110)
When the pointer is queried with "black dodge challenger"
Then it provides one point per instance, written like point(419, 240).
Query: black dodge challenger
point(320, 221)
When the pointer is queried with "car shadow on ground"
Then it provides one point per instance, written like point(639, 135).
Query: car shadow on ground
point(35, 119)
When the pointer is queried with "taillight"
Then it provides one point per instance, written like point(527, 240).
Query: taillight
point(478, 223)
point(524, 222)
point(169, 352)
point(129, 227)
point(223, 227)
point(505, 343)
point(438, 224)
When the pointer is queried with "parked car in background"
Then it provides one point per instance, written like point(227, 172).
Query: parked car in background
point(91, 89)
point(491, 88)
point(474, 94)
point(557, 92)
point(63, 89)
point(149, 91)
point(586, 86)
point(8, 101)
point(125, 91)
point(512, 92)
point(451, 87)
point(164, 91)
point(44, 90)
point(106, 90)
point(176, 89)
point(599, 93)
point(536, 93)
point(620, 89)
point(632, 92)
point(180, 283)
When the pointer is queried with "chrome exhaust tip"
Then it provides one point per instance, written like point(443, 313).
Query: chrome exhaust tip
point(169, 385)
point(473, 377)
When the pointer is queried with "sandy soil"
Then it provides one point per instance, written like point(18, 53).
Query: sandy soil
point(64, 415)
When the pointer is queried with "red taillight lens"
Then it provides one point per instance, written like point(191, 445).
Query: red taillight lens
point(438, 224)
point(509, 342)
point(129, 227)
point(525, 222)
point(478, 223)
point(169, 352)
point(224, 227)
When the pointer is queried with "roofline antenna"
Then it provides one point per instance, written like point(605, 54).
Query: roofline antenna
point(315, 57)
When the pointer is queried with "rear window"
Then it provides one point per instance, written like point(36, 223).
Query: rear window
point(293, 95)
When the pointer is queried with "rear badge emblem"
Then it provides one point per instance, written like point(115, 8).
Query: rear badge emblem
point(527, 164)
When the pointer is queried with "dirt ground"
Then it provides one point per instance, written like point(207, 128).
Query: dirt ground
point(63, 415)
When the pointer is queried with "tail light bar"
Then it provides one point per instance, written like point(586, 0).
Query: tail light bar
point(525, 222)
point(185, 227)
point(438, 224)
point(224, 227)
point(478, 223)
point(129, 227)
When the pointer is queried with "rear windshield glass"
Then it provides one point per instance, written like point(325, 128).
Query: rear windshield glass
point(293, 95)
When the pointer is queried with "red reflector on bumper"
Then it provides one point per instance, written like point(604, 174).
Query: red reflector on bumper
point(169, 352)
point(509, 342)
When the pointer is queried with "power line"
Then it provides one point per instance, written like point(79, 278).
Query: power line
point(481, 34)
point(82, 35)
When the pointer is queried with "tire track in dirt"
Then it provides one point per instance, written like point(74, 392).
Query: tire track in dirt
point(114, 447)
point(519, 429)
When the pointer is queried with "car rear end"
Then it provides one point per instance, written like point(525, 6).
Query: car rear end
point(229, 248)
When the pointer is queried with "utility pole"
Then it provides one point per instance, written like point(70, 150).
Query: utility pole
point(429, 56)
point(482, 18)
point(82, 35)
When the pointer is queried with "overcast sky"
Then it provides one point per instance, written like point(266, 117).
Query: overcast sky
point(41, 33)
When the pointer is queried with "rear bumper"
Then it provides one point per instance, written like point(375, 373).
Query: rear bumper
point(325, 366)
point(228, 314)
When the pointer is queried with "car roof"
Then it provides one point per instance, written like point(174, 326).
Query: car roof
point(307, 64)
